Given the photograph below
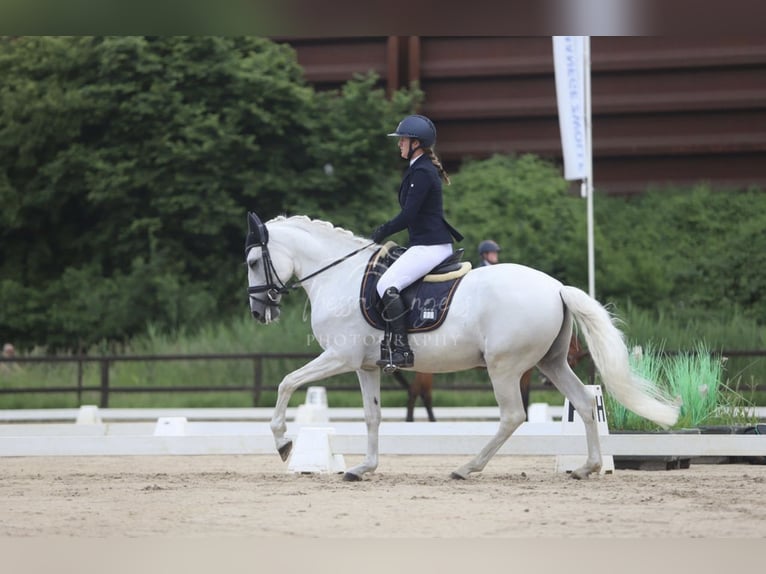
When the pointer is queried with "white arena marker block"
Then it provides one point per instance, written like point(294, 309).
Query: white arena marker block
point(316, 396)
point(314, 411)
point(312, 452)
point(538, 413)
point(88, 415)
point(571, 424)
point(170, 426)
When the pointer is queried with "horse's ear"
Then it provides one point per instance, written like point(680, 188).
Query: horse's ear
point(252, 222)
point(257, 233)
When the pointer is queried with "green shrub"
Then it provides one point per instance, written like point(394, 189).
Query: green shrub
point(524, 204)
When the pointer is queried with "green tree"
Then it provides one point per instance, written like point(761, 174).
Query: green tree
point(356, 179)
point(130, 162)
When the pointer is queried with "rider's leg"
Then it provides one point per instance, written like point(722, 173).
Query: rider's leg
point(394, 313)
point(411, 266)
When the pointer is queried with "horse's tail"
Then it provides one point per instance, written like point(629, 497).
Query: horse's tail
point(610, 355)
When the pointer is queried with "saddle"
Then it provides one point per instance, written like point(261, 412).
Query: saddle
point(427, 299)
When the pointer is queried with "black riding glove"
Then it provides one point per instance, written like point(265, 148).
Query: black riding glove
point(379, 234)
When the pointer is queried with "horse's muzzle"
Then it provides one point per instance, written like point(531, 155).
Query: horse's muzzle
point(258, 316)
point(265, 315)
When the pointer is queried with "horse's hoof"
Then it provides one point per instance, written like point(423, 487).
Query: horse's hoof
point(285, 450)
point(457, 476)
point(351, 477)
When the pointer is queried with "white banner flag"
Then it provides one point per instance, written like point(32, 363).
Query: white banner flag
point(569, 67)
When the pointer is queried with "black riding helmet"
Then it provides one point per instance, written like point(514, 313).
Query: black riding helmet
point(488, 246)
point(417, 127)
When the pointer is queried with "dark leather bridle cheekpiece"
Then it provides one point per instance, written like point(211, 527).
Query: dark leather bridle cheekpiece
point(258, 236)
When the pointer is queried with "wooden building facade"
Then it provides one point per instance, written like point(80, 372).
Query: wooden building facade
point(665, 111)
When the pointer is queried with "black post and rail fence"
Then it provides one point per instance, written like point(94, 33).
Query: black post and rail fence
point(255, 387)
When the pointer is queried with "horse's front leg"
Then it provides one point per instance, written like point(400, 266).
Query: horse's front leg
point(325, 365)
point(369, 381)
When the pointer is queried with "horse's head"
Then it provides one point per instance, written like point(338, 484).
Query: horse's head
point(266, 271)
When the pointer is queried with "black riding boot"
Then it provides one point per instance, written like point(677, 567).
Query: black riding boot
point(395, 351)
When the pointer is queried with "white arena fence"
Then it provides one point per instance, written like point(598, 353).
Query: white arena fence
point(90, 431)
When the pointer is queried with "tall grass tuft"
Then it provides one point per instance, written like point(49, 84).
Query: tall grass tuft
point(694, 378)
point(647, 363)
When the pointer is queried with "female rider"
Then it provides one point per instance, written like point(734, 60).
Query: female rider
point(430, 236)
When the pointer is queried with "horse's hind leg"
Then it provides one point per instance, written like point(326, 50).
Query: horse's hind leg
point(412, 398)
point(526, 382)
point(561, 375)
point(411, 394)
point(426, 394)
point(421, 387)
point(505, 382)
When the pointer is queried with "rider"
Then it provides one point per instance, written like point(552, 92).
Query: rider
point(430, 236)
point(488, 251)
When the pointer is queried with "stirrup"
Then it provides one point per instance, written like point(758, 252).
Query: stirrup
point(390, 368)
point(389, 365)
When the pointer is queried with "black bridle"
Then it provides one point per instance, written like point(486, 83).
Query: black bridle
point(258, 236)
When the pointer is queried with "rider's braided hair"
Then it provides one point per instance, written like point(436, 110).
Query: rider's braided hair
point(435, 160)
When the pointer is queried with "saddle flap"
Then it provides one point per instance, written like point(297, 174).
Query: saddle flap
point(427, 300)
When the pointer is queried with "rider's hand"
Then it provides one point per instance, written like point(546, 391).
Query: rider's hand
point(379, 234)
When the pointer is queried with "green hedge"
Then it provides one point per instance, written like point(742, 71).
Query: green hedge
point(688, 254)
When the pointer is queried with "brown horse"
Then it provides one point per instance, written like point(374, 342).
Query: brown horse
point(423, 383)
point(420, 387)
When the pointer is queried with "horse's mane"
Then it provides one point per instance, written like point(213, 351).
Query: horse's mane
point(315, 225)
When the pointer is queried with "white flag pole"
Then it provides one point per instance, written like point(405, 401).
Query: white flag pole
point(588, 182)
point(571, 57)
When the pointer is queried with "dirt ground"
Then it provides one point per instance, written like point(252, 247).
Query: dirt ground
point(190, 497)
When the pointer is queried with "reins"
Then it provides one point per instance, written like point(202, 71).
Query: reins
point(297, 283)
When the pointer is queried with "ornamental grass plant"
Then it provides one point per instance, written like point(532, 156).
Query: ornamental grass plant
point(695, 379)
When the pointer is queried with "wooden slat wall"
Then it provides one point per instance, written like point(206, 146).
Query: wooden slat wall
point(329, 62)
point(665, 110)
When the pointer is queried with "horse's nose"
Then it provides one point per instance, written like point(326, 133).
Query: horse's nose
point(256, 315)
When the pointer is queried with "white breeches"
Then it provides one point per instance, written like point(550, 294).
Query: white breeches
point(415, 263)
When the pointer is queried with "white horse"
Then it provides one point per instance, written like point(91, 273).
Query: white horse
point(507, 318)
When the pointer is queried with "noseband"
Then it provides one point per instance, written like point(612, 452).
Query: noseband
point(258, 236)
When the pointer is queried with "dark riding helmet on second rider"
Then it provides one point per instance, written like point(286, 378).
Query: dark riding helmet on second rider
point(488, 252)
point(416, 127)
point(488, 246)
